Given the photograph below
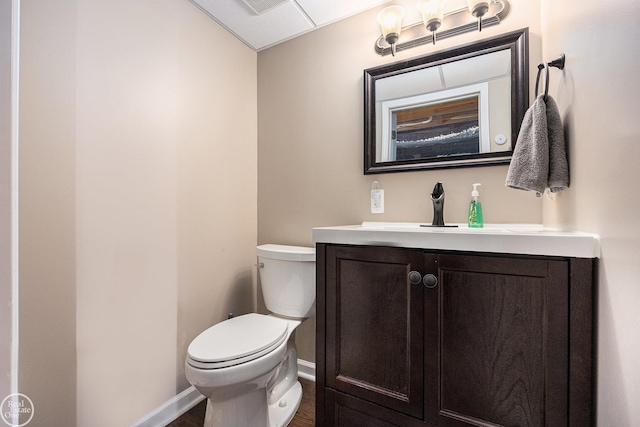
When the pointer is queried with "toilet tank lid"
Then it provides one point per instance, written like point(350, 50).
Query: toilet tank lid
point(287, 253)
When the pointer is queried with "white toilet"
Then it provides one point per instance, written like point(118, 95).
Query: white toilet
point(247, 366)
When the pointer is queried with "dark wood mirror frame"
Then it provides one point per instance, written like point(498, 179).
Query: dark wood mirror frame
point(516, 42)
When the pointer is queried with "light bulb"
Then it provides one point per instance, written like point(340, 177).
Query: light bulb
point(432, 14)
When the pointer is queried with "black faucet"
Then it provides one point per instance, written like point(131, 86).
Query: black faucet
point(437, 197)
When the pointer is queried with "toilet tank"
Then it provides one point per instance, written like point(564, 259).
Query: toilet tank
point(288, 279)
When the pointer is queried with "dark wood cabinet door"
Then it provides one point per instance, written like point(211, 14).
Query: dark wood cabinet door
point(348, 411)
point(374, 326)
point(496, 341)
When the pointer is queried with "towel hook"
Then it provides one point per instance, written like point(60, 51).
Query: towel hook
point(557, 63)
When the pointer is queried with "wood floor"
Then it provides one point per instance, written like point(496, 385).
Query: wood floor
point(304, 417)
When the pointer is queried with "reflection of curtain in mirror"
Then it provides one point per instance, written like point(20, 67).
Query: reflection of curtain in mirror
point(435, 130)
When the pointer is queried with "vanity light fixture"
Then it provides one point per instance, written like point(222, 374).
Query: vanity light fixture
point(434, 17)
point(390, 20)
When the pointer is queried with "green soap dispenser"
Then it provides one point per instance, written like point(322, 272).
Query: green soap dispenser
point(475, 209)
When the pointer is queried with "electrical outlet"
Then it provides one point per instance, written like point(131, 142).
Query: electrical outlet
point(377, 201)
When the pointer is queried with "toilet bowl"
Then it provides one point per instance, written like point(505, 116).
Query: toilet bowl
point(247, 366)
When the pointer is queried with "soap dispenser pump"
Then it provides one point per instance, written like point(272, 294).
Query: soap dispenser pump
point(476, 219)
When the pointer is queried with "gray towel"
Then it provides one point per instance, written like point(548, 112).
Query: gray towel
point(539, 160)
point(558, 165)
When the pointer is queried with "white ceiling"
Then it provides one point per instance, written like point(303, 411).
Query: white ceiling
point(291, 18)
point(285, 21)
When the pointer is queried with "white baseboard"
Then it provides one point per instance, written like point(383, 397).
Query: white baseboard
point(178, 405)
point(307, 370)
point(171, 409)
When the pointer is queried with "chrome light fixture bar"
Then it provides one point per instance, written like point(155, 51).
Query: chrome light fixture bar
point(453, 23)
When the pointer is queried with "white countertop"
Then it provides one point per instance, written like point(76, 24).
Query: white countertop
point(528, 239)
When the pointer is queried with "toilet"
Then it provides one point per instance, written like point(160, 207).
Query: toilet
point(247, 366)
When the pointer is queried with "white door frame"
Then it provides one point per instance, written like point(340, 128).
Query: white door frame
point(9, 66)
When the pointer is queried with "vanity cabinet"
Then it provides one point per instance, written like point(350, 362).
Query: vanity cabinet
point(413, 337)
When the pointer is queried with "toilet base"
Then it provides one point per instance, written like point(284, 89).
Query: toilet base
point(246, 410)
point(282, 412)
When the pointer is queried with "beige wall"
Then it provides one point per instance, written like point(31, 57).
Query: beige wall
point(47, 362)
point(137, 200)
point(310, 139)
point(598, 96)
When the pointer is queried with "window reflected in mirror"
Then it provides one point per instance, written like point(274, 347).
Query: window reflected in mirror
point(442, 127)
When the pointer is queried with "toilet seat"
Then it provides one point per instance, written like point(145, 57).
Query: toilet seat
point(237, 340)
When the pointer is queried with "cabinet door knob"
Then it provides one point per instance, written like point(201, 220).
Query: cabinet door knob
point(430, 281)
point(415, 277)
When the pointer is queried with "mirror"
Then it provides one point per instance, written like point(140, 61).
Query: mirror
point(458, 107)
